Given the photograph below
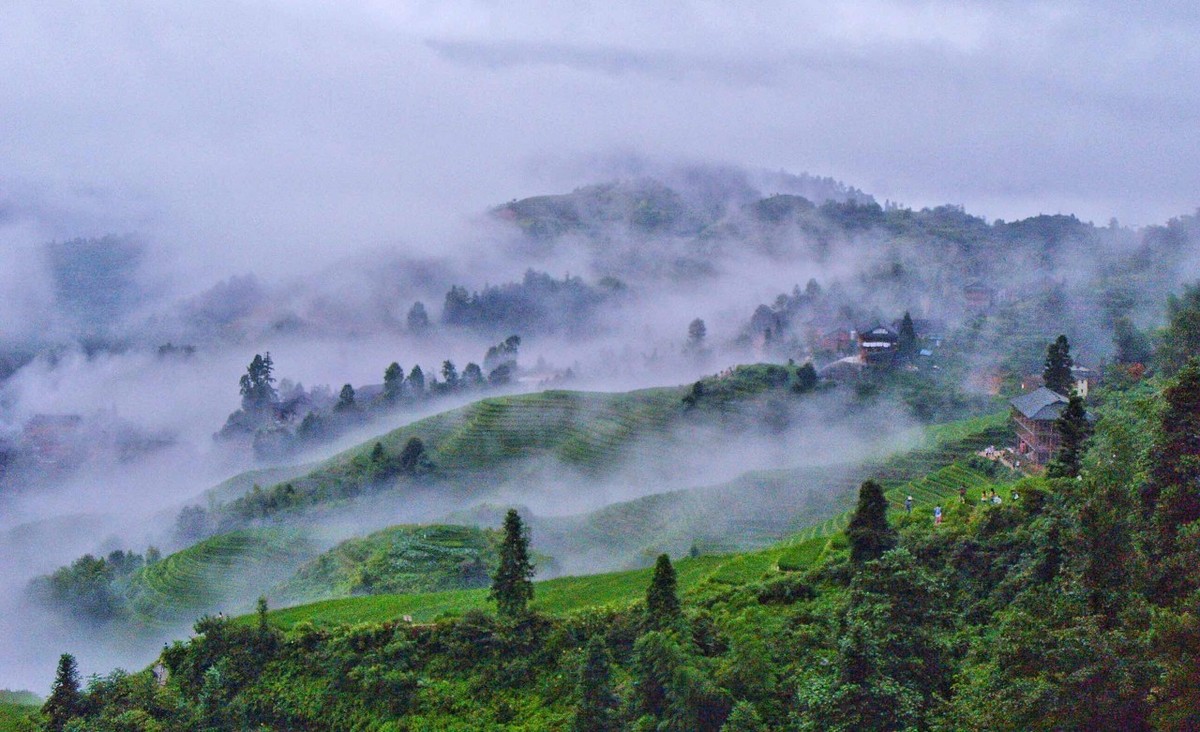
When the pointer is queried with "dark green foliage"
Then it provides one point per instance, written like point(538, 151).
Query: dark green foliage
point(1132, 345)
point(449, 375)
point(662, 598)
point(1056, 374)
point(512, 588)
point(416, 381)
point(907, 346)
point(414, 460)
point(868, 531)
point(473, 376)
point(64, 702)
point(257, 385)
point(1181, 339)
point(418, 319)
point(597, 702)
point(87, 589)
point(1172, 493)
point(393, 382)
point(806, 378)
point(1074, 429)
point(345, 402)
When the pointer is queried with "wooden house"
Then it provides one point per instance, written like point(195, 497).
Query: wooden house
point(1034, 416)
point(877, 346)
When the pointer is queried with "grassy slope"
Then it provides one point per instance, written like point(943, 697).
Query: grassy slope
point(902, 475)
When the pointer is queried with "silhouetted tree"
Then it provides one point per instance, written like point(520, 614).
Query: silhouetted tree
point(416, 381)
point(1057, 372)
point(418, 319)
point(696, 333)
point(450, 375)
point(869, 533)
point(512, 588)
point(256, 384)
point(393, 382)
point(906, 343)
point(501, 375)
point(345, 402)
point(662, 600)
point(64, 702)
point(472, 376)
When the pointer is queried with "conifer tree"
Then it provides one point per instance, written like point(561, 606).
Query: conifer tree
point(64, 701)
point(597, 702)
point(393, 382)
point(511, 586)
point(662, 600)
point(256, 385)
point(1172, 493)
point(345, 402)
point(1057, 372)
point(416, 381)
point(869, 533)
point(906, 344)
point(1074, 429)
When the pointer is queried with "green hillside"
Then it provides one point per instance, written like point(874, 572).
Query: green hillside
point(498, 438)
point(224, 572)
point(18, 711)
point(399, 559)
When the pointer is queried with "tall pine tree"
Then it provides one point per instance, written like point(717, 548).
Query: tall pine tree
point(393, 382)
point(662, 599)
point(512, 588)
point(597, 702)
point(906, 344)
point(869, 533)
point(1057, 372)
point(64, 701)
point(1074, 429)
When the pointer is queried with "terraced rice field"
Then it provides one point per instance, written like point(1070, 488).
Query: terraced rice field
point(221, 573)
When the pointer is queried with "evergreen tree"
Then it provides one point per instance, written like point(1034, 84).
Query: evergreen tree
point(256, 384)
point(418, 319)
point(597, 702)
point(1074, 429)
point(473, 376)
point(744, 718)
point(662, 599)
point(511, 586)
point(345, 402)
point(1172, 493)
point(393, 382)
point(416, 381)
point(906, 345)
point(64, 702)
point(1057, 372)
point(450, 375)
point(413, 458)
point(869, 533)
point(696, 334)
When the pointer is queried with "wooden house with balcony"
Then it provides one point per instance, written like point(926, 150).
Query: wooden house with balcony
point(1034, 417)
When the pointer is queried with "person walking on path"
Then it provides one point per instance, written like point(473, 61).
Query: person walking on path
point(908, 505)
point(937, 515)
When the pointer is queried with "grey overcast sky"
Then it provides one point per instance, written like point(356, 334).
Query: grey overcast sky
point(244, 130)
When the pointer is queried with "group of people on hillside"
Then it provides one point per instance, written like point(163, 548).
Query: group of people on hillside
point(987, 496)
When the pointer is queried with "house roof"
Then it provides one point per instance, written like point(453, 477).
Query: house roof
point(1040, 405)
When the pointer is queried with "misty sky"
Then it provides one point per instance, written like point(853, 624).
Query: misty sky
point(250, 133)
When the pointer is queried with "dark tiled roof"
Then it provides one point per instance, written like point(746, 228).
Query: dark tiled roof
point(1040, 405)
